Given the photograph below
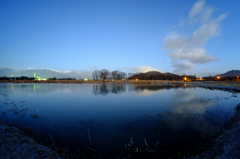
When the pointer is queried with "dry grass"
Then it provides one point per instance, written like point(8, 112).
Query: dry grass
point(47, 81)
point(227, 83)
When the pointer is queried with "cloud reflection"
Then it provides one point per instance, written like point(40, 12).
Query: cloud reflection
point(182, 95)
point(184, 102)
point(148, 90)
point(190, 111)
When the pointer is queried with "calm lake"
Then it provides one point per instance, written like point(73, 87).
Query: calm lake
point(102, 118)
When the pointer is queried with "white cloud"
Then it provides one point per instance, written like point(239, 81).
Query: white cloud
point(60, 71)
point(185, 51)
point(141, 69)
point(200, 13)
point(182, 66)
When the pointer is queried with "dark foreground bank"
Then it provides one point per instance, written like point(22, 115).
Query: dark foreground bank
point(15, 144)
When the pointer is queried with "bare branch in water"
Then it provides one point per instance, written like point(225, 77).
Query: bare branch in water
point(89, 137)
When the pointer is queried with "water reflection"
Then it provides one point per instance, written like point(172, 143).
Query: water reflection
point(186, 109)
point(143, 90)
point(148, 90)
point(184, 102)
point(104, 89)
point(97, 89)
point(41, 88)
point(180, 95)
point(140, 88)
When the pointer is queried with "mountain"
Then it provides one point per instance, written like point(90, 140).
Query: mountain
point(43, 73)
point(154, 75)
point(230, 73)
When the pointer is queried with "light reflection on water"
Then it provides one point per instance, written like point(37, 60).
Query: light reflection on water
point(113, 113)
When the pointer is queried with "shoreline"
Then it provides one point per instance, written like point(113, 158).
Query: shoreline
point(226, 145)
point(14, 143)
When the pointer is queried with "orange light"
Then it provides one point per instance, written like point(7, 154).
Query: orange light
point(136, 79)
point(218, 77)
point(237, 76)
point(185, 78)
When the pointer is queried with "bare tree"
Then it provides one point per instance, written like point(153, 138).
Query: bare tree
point(96, 75)
point(121, 75)
point(118, 74)
point(104, 74)
point(124, 75)
point(114, 74)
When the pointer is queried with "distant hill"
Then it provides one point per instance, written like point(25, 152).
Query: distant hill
point(43, 73)
point(154, 75)
point(230, 73)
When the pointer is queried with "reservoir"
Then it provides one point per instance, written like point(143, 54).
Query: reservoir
point(126, 119)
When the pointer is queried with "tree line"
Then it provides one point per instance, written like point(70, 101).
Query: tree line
point(105, 74)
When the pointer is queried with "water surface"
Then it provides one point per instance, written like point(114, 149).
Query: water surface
point(104, 117)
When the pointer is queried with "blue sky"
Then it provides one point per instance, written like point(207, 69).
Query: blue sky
point(192, 37)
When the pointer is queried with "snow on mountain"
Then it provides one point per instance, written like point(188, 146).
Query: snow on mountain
point(43, 73)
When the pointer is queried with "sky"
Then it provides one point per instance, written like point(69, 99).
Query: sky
point(183, 36)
